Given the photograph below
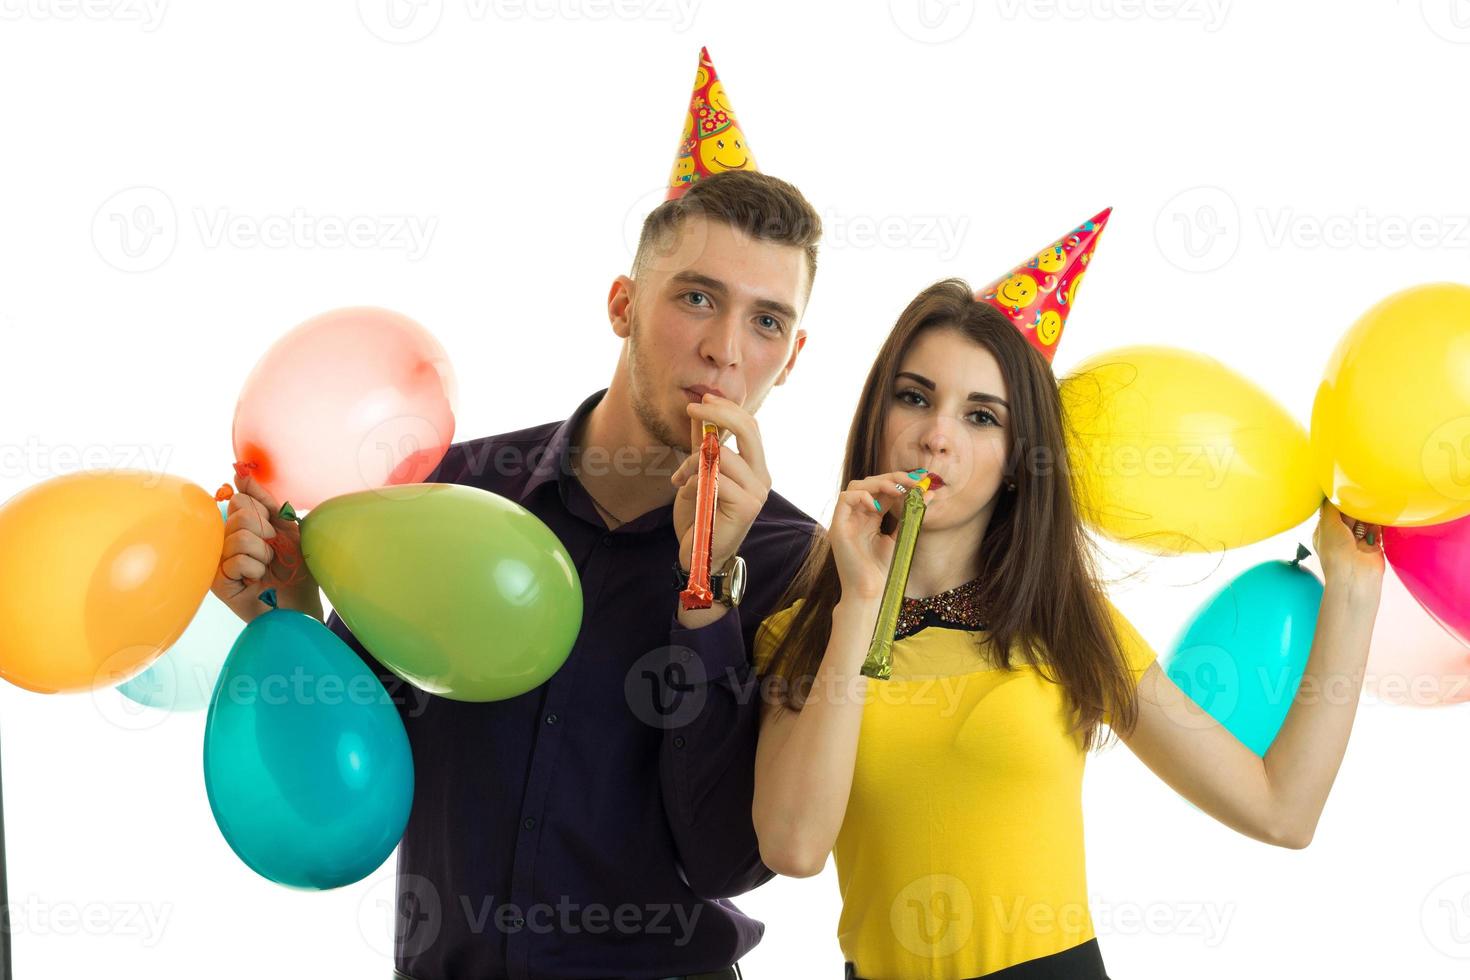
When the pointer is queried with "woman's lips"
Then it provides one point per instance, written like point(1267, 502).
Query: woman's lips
point(935, 481)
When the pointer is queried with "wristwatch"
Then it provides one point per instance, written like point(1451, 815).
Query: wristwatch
point(727, 585)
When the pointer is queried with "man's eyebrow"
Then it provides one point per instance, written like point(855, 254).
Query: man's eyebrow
point(710, 283)
point(975, 396)
point(714, 285)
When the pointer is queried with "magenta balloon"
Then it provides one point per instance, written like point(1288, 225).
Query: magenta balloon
point(1434, 562)
point(1414, 661)
point(353, 399)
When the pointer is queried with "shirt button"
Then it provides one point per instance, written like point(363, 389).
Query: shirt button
point(517, 922)
point(678, 741)
point(551, 718)
point(607, 539)
point(530, 823)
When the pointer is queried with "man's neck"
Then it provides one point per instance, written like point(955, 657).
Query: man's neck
point(621, 466)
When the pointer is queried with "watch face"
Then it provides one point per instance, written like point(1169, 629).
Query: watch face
point(737, 579)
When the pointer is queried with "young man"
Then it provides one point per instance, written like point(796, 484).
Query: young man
point(594, 826)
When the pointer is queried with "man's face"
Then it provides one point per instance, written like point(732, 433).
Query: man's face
point(719, 309)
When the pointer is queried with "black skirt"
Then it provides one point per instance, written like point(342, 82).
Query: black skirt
point(1081, 962)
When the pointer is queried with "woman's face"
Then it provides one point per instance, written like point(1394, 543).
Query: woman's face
point(947, 412)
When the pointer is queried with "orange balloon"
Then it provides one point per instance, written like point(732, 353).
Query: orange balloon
point(100, 572)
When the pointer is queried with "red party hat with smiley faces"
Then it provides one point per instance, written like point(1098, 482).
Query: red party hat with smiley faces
point(712, 140)
point(1038, 294)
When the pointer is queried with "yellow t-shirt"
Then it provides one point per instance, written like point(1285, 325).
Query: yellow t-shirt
point(961, 851)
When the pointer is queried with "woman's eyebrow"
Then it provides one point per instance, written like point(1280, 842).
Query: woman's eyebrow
point(975, 396)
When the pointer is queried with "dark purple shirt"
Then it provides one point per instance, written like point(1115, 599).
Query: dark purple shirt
point(597, 825)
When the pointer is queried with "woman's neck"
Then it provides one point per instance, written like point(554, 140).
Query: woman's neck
point(943, 560)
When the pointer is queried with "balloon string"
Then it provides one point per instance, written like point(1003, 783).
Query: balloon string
point(288, 555)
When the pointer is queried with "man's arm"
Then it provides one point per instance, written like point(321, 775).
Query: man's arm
point(707, 760)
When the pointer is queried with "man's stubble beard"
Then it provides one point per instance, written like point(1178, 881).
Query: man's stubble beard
point(646, 410)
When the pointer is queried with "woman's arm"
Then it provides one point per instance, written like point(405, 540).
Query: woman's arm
point(1277, 799)
point(804, 760)
point(1280, 798)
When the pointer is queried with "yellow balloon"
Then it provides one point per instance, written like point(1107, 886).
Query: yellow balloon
point(1391, 421)
point(1173, 452)
point(100, 572)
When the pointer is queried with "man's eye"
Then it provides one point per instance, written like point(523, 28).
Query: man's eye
point(696, 297)
point(771, 322)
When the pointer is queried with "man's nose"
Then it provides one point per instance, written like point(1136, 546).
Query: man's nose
point(721, 342)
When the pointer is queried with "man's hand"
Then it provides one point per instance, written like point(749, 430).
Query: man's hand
point(249, 563)
point(744, 482)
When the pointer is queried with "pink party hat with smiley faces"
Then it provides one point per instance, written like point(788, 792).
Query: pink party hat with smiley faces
point(1038, 294)
point(712, 140)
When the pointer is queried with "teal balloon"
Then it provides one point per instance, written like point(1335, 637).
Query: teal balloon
point(1242, 656)
point(183, 678)
point(306, 761)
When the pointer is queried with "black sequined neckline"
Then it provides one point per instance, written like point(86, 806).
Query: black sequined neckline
point(958, 607)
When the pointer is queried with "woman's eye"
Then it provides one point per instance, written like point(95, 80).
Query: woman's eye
point(987, 415)
point(903, 396)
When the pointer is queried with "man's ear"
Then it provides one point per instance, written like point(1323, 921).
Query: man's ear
point(620, 306)
point(791, 362)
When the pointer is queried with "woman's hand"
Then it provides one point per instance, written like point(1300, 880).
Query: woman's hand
point(860, 548)
point(1346, 560)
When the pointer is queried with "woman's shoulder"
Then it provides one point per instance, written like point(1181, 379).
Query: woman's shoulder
point(1137, 653)
point(772, 630)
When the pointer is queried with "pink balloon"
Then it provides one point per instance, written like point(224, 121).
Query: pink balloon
point(353, 399)
point(1413, 661)
point(1434, 563)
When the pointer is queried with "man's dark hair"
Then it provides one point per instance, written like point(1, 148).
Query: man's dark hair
point(765, 208)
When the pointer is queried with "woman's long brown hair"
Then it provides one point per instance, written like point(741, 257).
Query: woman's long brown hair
point(1039, 587)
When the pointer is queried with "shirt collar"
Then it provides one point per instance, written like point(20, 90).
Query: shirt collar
point(555, 461)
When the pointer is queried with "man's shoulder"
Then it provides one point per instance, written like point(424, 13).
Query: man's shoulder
point(780, 515)
point(505, 457)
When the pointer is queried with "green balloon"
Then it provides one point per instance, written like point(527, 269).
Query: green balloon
point(457, 590)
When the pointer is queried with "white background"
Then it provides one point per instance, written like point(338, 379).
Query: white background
point(1265, 161)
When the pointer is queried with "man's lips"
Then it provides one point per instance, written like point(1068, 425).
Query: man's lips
point(697, 392)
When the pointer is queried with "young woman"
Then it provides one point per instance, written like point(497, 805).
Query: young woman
point(950, 794)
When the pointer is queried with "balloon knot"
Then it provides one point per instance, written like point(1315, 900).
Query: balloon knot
point(269, 598)
point(242, 468)
point(288, 512)
point(1301, 552)
point(225, 492)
